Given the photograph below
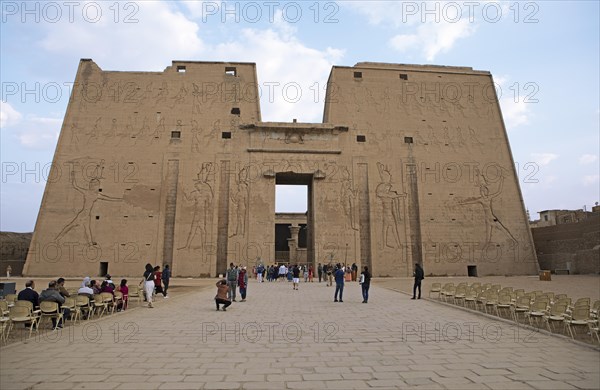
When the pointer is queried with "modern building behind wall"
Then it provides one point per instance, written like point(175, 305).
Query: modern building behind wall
point(411, 165)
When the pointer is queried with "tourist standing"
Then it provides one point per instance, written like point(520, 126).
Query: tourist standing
point(305, 274)
point(365, 283)
point(339, 283)
point(232, 277)
point(329, 274)
point(354, 271)
point(149, 283)
point(166, 278)
point(8, 271)
point(259, 273)
point(419, 275)
point(157, 280)
point(320, 271)
point(310, 273)
point(296, 276)
point(243, 283)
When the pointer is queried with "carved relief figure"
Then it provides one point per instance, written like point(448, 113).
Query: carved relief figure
point(180, 97)
point(95, 130)
point(74, 136)
point(160, 129)
point(163, 92)
point(240, 200)
point(485, 200)
point(197, 99)
point(202, 197)
point(391, 203)
point(195, 137)
point(349, 196)
point(90, 194)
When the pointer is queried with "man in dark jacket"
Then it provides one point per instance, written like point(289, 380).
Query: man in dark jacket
point(339, 283)
point(166, 277)
point(29, 294)
point(51, 294)
point(419, 275)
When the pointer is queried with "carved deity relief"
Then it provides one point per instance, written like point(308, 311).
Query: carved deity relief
point(196, 99)
point(96, 130)
point(180, 97)
point(158, 131)
point(485, 201)
point(392, 206)
point(202, 197)
point(240, 200)
point(349, 198)
point(91, 195)
point(163, 93)
point(196, 131)
point(74, 134)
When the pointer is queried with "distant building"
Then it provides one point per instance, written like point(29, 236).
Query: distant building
point(559, 217)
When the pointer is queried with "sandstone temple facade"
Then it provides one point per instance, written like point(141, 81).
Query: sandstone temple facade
point(411, 164)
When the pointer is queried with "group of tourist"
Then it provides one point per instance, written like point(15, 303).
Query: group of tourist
point(236, 277)
point(155, 282)
point(56, 292)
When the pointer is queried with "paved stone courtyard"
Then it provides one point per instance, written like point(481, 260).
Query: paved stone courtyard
point(286, 339)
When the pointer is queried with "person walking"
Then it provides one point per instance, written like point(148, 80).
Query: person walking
point(148, 281)
point(320, 272)
point(365, 283)
point(305, 274)
point(243, 283)
point(166, 278)
point(419, 275)
point(232, 277)
point(339, 283)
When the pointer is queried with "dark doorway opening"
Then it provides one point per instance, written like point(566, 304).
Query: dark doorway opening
point(472, 270)
point(293, 200)
point(103, 268)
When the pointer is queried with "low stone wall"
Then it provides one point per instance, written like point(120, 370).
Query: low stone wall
point(574, 246)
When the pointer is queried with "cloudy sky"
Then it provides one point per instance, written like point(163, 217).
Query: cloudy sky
point(544, 57)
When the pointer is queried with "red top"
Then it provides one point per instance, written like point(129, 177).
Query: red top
point(157, 278)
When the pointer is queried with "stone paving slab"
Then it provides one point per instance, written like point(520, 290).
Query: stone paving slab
point(286, 339)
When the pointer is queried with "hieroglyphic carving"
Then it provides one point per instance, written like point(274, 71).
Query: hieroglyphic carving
point(202, 197)
point(180, 97)
point(196, 131)
point(240, 200)
point(349, 198)
point(91, 194)
point(485, 200)
point(391, 207)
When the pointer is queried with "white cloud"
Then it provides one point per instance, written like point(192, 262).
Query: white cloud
point(38, 132)
point(282, 58)
point(160, 35)
point(588, 159)
point(433, 38)
point(516, 112)
point(8, 115)
point(544, 158)
point(589, 180)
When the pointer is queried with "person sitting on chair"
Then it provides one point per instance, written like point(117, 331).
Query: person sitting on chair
point(51, 294)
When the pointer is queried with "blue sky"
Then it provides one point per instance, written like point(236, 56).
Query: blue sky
point(544, 57)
